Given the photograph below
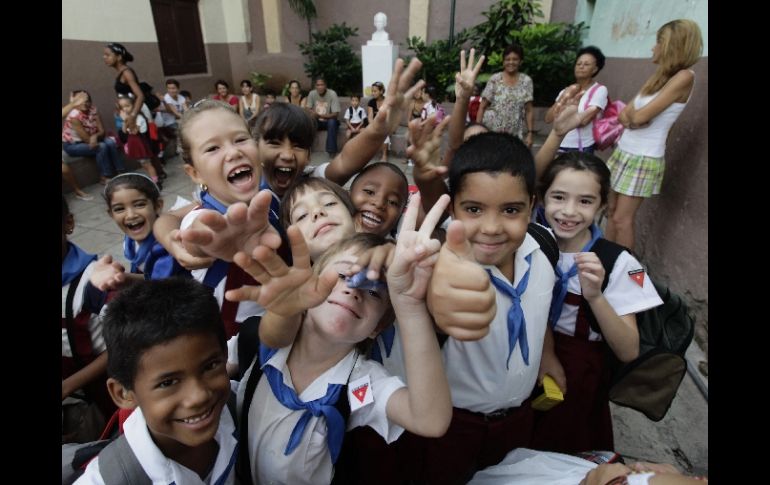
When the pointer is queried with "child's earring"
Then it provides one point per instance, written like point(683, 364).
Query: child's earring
point(204, 188)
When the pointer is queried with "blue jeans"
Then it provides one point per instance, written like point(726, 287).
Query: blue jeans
point(331, 133)
point(106, 153)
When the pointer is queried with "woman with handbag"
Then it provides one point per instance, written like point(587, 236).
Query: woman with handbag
point(590, 60)
point(637, 164)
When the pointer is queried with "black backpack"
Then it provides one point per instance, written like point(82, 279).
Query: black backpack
point(150, 99)
point(649, 383)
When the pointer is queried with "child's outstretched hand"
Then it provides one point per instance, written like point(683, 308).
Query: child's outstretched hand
point(460, 297)
point(178, 251)
point(590, 274)
point(397, 96)
point(466, 78)
point(285, 291)
point(415, 253)
point(566, 110)
point(107, 274)
point(242, 228)
point(426, 136)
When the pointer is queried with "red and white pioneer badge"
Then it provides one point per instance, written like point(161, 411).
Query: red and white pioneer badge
point(360, 393)
point(638, 276)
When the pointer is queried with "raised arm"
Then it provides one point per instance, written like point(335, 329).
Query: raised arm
point(425, 406)
point(357, 152)
point(464, 82)
point(428, 171)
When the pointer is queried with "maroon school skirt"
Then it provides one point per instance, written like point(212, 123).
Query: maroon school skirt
point(582, 422)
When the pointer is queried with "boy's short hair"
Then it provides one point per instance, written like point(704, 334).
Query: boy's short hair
point(492, 153)
point(154, 312)
point(172, 81)
point(357, 96)
point(316, 183)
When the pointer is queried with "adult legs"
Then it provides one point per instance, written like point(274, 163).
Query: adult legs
point(69, 177)
point(331, 127)
point(85, 150)
point(110, 149)
point(621, 218)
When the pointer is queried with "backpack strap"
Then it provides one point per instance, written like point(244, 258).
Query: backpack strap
point(350, 111)
point(546, 241)
point(118, 462)
point(608, 253)
point(248, 343)
point(120, 73)
point(70, 320)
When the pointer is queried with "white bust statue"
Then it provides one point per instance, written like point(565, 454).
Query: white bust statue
point(380, 21)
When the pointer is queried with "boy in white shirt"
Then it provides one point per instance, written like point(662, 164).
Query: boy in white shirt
point(166, 361)
point(355, 117)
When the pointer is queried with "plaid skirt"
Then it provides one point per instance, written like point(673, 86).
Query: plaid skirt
point(635, 175)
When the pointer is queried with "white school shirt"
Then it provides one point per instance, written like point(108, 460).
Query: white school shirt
point(271, 423)
point(95, 327)
point(476, 371)
point(246, 309)
point(650, 141)
point(359, 115)
point(586, 133)
point(163, 470)
point(178, 103)
point(622, 293)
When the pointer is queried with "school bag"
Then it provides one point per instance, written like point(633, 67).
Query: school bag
point(607, 128)
point(150, 99)
point(649, 383)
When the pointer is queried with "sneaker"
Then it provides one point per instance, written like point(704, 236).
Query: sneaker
point(85, 197)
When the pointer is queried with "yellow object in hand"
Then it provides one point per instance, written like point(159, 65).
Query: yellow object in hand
point(550, 398)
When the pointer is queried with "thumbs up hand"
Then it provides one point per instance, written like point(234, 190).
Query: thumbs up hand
point(460, 297)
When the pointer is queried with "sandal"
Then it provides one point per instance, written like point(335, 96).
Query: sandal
point(85, 197)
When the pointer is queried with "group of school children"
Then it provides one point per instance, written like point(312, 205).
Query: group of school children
point(359, 345)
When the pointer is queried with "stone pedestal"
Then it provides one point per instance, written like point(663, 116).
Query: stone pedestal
point(377, 60)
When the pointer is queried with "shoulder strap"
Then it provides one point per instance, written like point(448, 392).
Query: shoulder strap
point(546, 241)
point(590, 95)
point(350, 111)
point(120, 73)
point(608, 253)
point(248, 343)
point(68, 311)
point(117, 461)
point(243, 466)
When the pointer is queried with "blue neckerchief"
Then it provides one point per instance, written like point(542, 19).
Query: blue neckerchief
point(324, 406)
point(517, 325)
point(161, 265)
point(209, 202)
point(136, 258)
point(74, 263)
point(387, 336)
point(560, 288)
point(540, 216)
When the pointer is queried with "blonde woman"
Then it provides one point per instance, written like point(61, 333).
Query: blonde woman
point(637, 164)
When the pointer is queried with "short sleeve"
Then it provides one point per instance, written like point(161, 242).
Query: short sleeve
point(630, 289)
point(375, 415)
point(490, 89)
point(528, 88)
point(335, 103)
